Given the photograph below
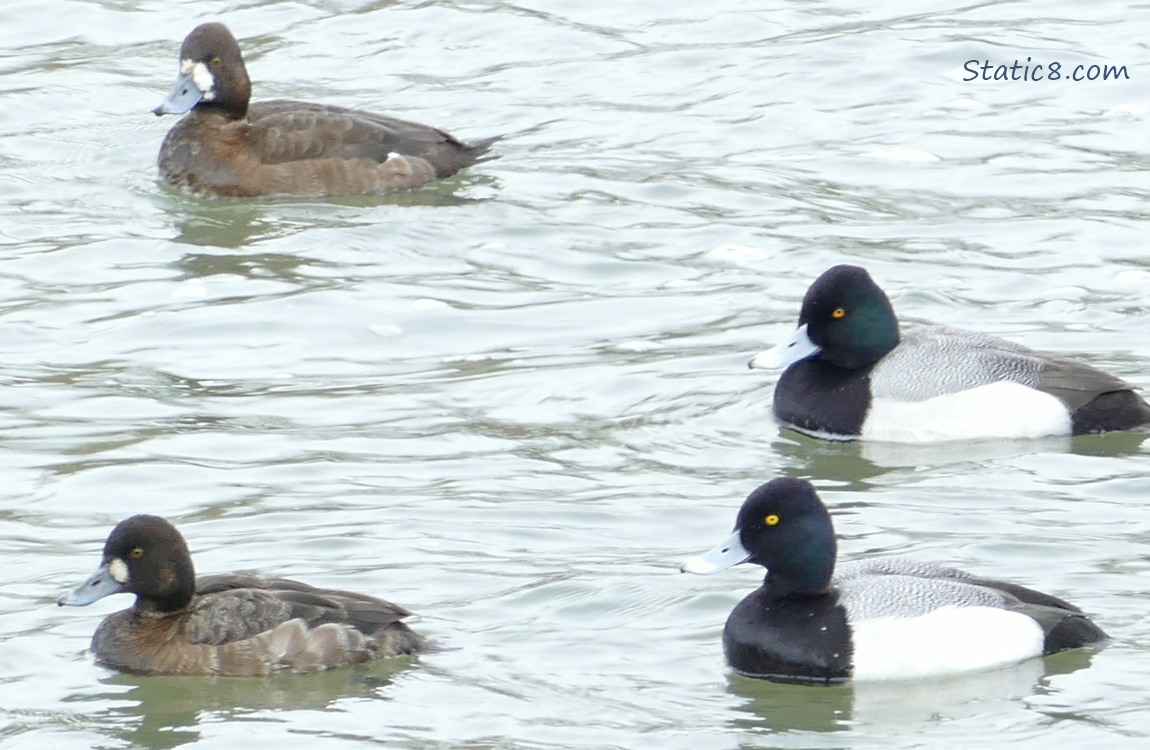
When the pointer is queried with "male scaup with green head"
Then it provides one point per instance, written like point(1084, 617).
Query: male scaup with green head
point(236, 624)
point(882, 619)
point(850, 374)
point(224, 147)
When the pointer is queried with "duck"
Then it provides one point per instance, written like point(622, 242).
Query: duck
point(852, 374)
point(225, 146)
point(230, 624)
point(874, 619)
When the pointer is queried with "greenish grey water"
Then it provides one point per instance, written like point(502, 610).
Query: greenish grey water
point(514, 402)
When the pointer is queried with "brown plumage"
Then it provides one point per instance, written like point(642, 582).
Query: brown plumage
point(238, 624)
point(224, 147)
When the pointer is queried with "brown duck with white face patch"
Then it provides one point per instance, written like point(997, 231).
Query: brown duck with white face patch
point(224, 147)
point(236, 624)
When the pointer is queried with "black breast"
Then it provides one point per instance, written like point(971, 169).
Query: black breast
point(805, 640)
point(819, 397)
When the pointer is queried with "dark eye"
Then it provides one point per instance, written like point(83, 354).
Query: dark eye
point(137, 552)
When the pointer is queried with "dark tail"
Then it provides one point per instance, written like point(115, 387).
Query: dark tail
point(1073, 631)
point(478, 149)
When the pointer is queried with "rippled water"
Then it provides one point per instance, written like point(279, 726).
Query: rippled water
point(515, 401)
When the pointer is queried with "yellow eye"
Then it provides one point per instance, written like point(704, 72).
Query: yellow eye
point(771, 520)
point(215, 62)
point(838, 312)
point(137, 552)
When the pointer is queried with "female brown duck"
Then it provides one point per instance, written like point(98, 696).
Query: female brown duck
point(230, 624)
point(223, 147)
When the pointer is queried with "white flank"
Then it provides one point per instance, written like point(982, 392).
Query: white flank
point(996, 411)
point(204, 81)
point(118, 570)
point(949, 640)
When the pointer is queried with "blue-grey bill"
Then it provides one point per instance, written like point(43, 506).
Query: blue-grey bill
point(101, 584)
point(798, 347)
point(728, 554)
point(184, 96)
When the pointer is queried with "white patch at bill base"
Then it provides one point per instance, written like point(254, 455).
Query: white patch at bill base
point(948, 640)
point(204, 80)
point(118, 569)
